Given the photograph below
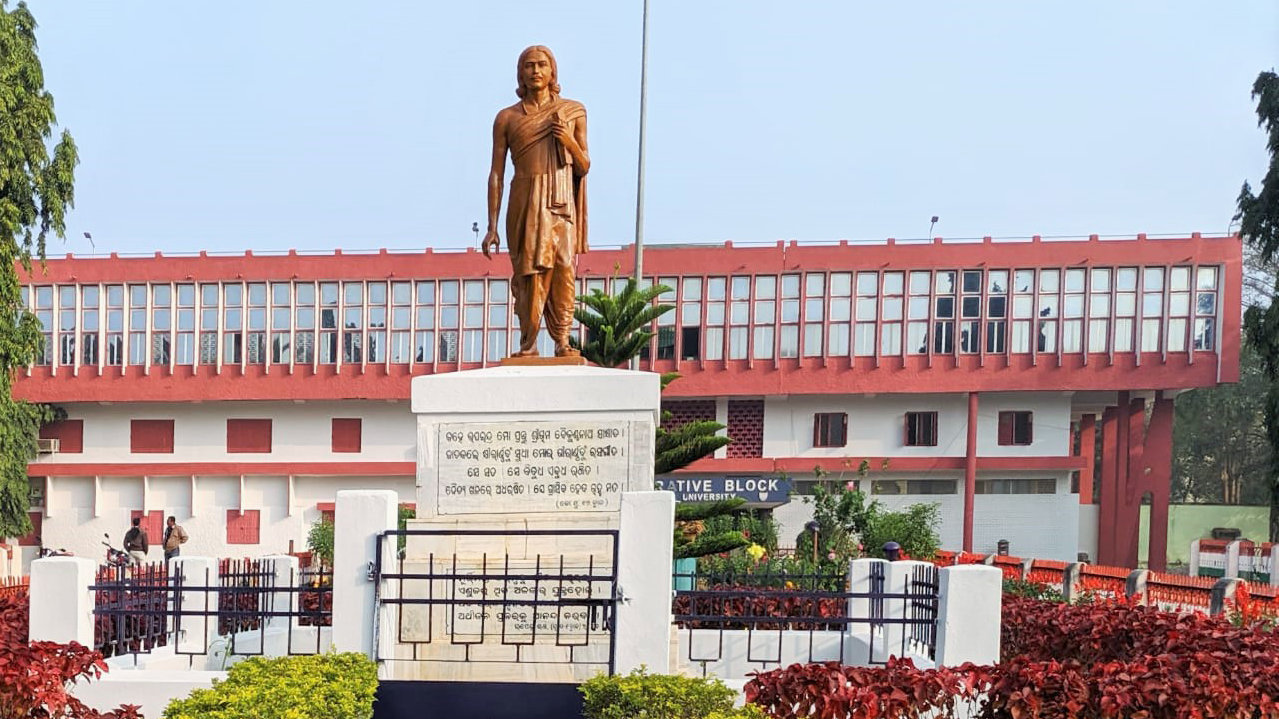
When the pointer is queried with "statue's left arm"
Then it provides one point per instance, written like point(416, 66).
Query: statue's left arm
point(574, 141)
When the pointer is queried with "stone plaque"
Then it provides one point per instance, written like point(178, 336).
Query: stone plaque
point(533, 467)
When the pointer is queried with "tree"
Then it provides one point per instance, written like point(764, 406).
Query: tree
point(617, 329)
point(36, 189)
point(1219, 447)
point(1258, 217)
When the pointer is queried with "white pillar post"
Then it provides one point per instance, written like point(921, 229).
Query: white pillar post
point(1194, 558)
point(360, 516)
point(641, 634)
point(61, 601)
point(285, 569)
point(1232, 560)
point(968, 615)
point(197, 632)
point(860, 582)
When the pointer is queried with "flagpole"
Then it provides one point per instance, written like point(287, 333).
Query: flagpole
point(639, 179)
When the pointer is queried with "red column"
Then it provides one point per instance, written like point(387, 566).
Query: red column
point(970, 472)
point(1134, 485)
point(1158, 474)
point(1106, 514)
point(1087, 452)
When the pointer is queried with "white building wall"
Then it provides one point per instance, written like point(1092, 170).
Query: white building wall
point(876, 424)
point(74, 526)
point(300, 432)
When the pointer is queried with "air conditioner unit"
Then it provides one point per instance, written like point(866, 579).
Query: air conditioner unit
point(49, 446)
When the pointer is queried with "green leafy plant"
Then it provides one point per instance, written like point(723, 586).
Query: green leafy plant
point(1027, 589)
point(405, 514)
point(914, 528)
point(323, 686)
point(692, 538)
point(319, 540)
point(36, 189)
point(848, 526)
point(618, 326)
point(657, 696)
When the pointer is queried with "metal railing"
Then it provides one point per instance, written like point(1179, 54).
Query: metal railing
point(811, 604)
point(133, 606)
point(446, 606)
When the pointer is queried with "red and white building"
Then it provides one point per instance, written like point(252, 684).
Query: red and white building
point(239, 393)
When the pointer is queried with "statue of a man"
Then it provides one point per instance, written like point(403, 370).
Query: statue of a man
point(546, 214)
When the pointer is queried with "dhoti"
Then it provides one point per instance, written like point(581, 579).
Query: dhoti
point(542, 242)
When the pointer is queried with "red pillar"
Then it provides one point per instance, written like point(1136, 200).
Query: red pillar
point(1134, 485)
point(1087, 453)
point(970, 472)
point(1106, 514)
point(1158, 475)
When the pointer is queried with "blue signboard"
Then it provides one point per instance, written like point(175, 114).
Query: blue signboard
point(756, 490)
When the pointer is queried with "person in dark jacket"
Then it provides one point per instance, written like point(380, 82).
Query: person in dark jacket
point(135, 542)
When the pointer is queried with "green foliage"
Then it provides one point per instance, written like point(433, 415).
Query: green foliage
point(849, 527)
point(657, 696)
point(1032, 590)
point(618, 326)
point(691, 536)
point(325, 686)
point(756, 527)
point(686, 444)
point(319, 540)
point(405, 514)
point(1258, 217)
point(787, 572)
point(36, 189)
point(1219, 448)
point(914, 528)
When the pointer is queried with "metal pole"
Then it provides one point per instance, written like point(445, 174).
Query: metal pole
point(639, 178)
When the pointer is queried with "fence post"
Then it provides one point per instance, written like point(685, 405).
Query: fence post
point(361, 516)
point(1026, 566)
point(1194, 557)
point(197, 632)
point(285, 569)
point(1136, 585)
point(642, 634)
point(61, 601)
point(860, 582)
point(1070, 581)
point(1222, 592)
point(1232, 559)
point(968, 615)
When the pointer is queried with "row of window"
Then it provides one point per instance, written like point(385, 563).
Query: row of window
point(243, 436)
point(814, 314)
point(830, 429)
point(952, 486)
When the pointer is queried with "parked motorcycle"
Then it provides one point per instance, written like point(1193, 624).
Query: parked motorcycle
point(115, 557)
point(46, 552)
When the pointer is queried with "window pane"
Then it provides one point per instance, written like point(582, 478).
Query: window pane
point(997, 282)
point(1048, 280)
point(841, 284)
point(1101, 279)
point(1024, 281)
point(790, 341)
point(790, 285)
point(838, 343)
point(919, 282)
point(1074, 280)
point(814, 284)
point(972, 281)
point(765, 287)
point(893, 283)
point(1206, 304)
point(890, 339)
point(945, 282)
point(867, 282)
point(1207, 278)
point(741, 288)
point(1153, 278)
point(1179, 279)
point(692, 288)
point(763, 344)
point(812, 340)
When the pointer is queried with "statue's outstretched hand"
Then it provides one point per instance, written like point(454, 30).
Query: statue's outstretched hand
point(490, 244)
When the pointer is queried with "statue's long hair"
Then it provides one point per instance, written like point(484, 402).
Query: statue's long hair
point(554, 85)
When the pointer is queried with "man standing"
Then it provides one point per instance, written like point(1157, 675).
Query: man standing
point(546, 216)
point(174, 537)
point(135, 542)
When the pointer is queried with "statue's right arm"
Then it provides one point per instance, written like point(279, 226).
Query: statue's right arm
point(496, 172)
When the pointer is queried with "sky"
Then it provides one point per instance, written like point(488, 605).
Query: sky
point(361, 125)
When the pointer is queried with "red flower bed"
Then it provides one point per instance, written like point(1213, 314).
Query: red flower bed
point(1115, 661)
point(738, 601)
point(34, 677)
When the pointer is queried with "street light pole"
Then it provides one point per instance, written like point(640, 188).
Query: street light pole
point(639, 179)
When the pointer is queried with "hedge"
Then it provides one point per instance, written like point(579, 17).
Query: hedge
point(324, 686)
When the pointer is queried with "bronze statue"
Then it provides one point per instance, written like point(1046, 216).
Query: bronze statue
point(546, 214)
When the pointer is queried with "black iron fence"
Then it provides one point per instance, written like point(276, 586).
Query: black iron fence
point(453, 607)
point(133, 607)
point(898, 623)
point(140, 608)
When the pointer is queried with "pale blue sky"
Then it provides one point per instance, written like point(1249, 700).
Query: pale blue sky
point(313, 125)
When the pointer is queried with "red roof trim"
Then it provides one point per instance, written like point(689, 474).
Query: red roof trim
point(221, 469)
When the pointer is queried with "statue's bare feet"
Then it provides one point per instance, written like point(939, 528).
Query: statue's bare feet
point(531, 352)
point(566, 350)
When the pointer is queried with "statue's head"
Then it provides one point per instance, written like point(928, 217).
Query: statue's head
point(536, 68)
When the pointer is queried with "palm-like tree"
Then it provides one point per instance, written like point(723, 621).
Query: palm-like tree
point(617, 326)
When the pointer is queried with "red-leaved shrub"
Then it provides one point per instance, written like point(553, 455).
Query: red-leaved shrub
point(1105, 660)
point(34, 676)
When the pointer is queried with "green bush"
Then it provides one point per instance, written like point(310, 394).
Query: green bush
point(1032, 590)
point(659, 696)
point(324, 686)
point(319, 540)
